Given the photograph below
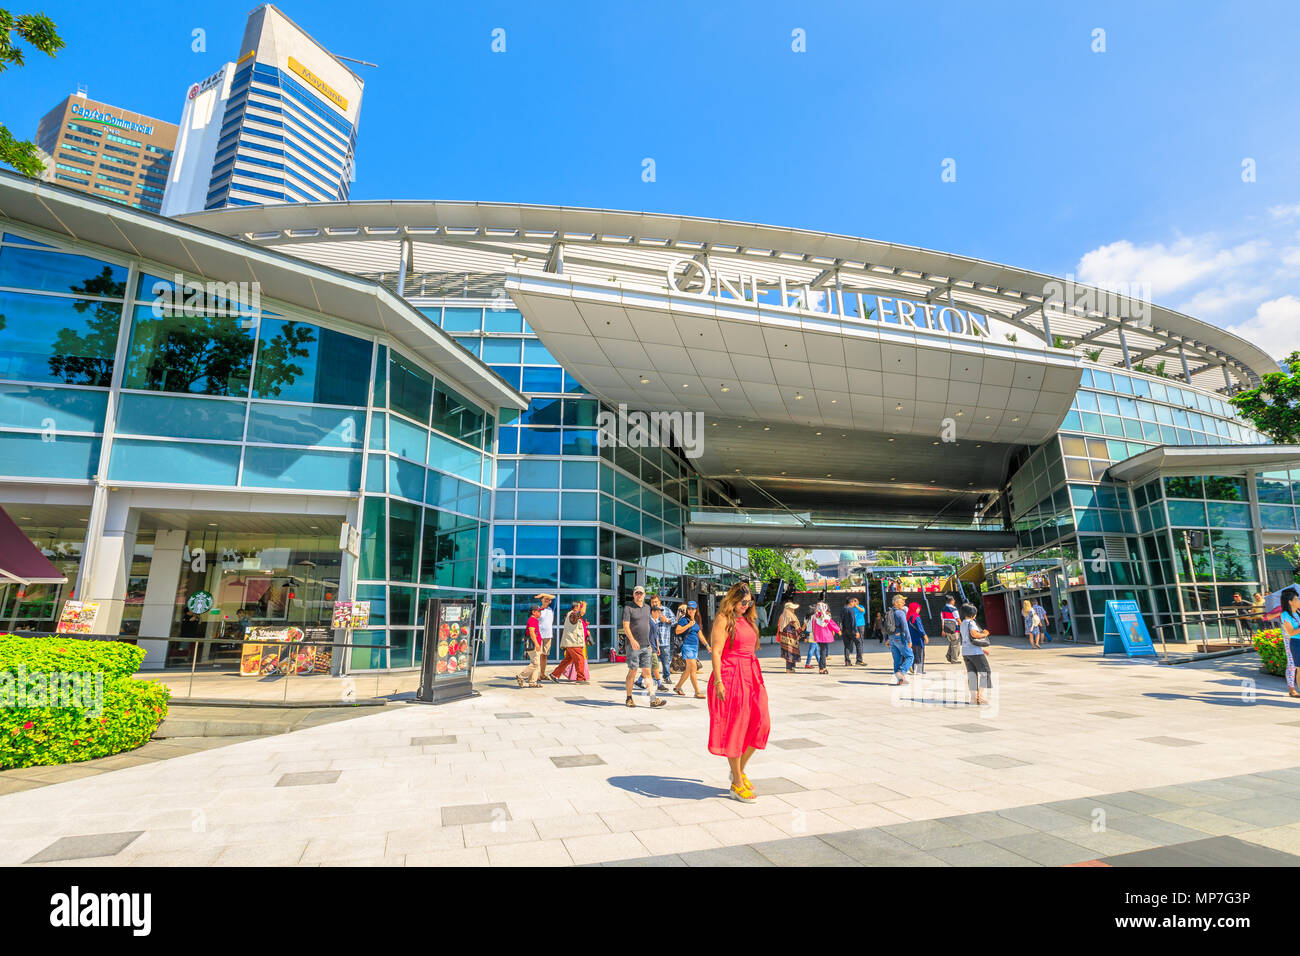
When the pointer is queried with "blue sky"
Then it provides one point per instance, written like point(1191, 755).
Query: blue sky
point(1117, 166)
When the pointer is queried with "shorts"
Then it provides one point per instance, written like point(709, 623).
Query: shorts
point(640, 659)
point(690, 650)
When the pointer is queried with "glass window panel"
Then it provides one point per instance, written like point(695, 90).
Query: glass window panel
point(502, 351)
point(407, 440)
point(539, 505)
point(539, 474)
point(453, 458)
point(410, 390)
point(1277, 516)
point(1187, 513)
point(535, 353)
point(205, 354)
point(503, 320)
point(580, 413)
point(304, 425)
point(578, 506)
point(404, 521)
point(178, 417)
point(1225, 514)
point(376, 472)
point(30, 456)
point(1184, 487)
point(536, 572)
point(577, 573)
point(537, 539)
point(374, 549)
point(471, 343)
point(72, 409)
point(1273, 487)
point(61, 272)
point(539, 441)
point(542, 411)
point(405, 479)
point(379, 393)
point(580, 474)
point(541, 379)
point(295, 468)
point(504, 506)
point(181, 463)
point(579, 441)
point(48, 337)
point(510, 374)
point(456, 416)
point(462, 320)
point(298, 362)
point(1219, 488)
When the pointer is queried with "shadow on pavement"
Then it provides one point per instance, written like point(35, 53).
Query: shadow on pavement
point(678, 788)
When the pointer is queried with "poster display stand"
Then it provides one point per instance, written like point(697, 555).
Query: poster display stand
point(278, 651)
point(1126, 631)
point(450, 652)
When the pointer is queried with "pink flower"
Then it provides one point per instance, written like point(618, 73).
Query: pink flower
point(28, 726)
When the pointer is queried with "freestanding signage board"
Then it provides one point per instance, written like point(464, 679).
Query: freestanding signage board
point(450, 650)
point(1126, 631)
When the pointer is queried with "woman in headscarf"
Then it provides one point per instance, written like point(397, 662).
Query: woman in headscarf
point(787, 635)
point(917, 633)
point(739, 722)
point(824, 629)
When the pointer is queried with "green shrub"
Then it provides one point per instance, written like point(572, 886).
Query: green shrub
point(1272, 655)
point(100, 710)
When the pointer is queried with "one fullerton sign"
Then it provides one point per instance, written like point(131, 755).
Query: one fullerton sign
point(744, 289)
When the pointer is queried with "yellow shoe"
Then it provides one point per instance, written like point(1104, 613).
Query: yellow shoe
point(742, 793)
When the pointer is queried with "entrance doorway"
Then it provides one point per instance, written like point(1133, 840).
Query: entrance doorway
point(233, 582)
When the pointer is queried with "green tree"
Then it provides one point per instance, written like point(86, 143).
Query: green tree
point(1274, 407)
point(37, 30)
point(788, 564)
point(85, 356)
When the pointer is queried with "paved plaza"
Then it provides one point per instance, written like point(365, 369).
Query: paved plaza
point(1080, 759)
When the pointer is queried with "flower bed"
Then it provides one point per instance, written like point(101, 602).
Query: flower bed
point(65, 701)
point(1272, 655)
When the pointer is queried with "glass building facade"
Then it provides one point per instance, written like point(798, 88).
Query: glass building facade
point(101, 377)
point(1089, 538)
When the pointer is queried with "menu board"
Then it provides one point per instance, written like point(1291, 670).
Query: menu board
point(351, 614)
point(77, 617)
point(455, 639)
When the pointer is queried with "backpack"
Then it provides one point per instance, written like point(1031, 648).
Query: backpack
point(890, 624)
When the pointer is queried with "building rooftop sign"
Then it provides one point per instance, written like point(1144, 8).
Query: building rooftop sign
point(745, 289)
point(108, 119)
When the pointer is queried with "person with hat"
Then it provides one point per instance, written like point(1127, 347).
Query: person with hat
point(545, 621)
point(787, 635)
point(688, 629)
point(636, 631)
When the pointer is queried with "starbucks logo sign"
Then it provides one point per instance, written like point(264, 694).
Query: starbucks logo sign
point(200, 602)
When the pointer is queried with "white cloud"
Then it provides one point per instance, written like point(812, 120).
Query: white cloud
point(1162, 269)
point(1248, 284)
point(1275, 326)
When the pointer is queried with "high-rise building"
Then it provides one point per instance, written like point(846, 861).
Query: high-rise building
point(276, 125)
point(108, 151)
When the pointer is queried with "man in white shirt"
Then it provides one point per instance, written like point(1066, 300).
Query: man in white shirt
point(545, 621)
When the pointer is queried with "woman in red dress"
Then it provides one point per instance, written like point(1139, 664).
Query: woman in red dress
point(738, 718)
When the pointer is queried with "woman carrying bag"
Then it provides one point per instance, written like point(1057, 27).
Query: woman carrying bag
point(787, 635)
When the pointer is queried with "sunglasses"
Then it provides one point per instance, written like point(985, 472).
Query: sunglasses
point(746, 602)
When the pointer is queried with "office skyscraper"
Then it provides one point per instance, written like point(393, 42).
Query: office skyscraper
point(107, 151)
point(276, 125)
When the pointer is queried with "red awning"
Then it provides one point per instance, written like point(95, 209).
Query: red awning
point(22, 561)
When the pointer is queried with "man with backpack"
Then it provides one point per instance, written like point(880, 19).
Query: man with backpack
point(951, 622)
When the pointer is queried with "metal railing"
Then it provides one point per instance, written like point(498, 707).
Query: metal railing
point(1239, 629)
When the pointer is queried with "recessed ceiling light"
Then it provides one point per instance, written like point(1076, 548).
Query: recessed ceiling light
point(828, 475)
point(798, 395)
point(934, 443)
point(212, 524)
point(834, 401)
point(898, 407)
point(960, 413)
point(891, 439)
point(819, 433)
point(686, 384)
point(987, 417)
point(893, 479)
point(726, 388)
point(645, 381)
point(1016, 419)
point(767, 428)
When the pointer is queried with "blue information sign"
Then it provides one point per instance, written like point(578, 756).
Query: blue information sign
point(1126, 631)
